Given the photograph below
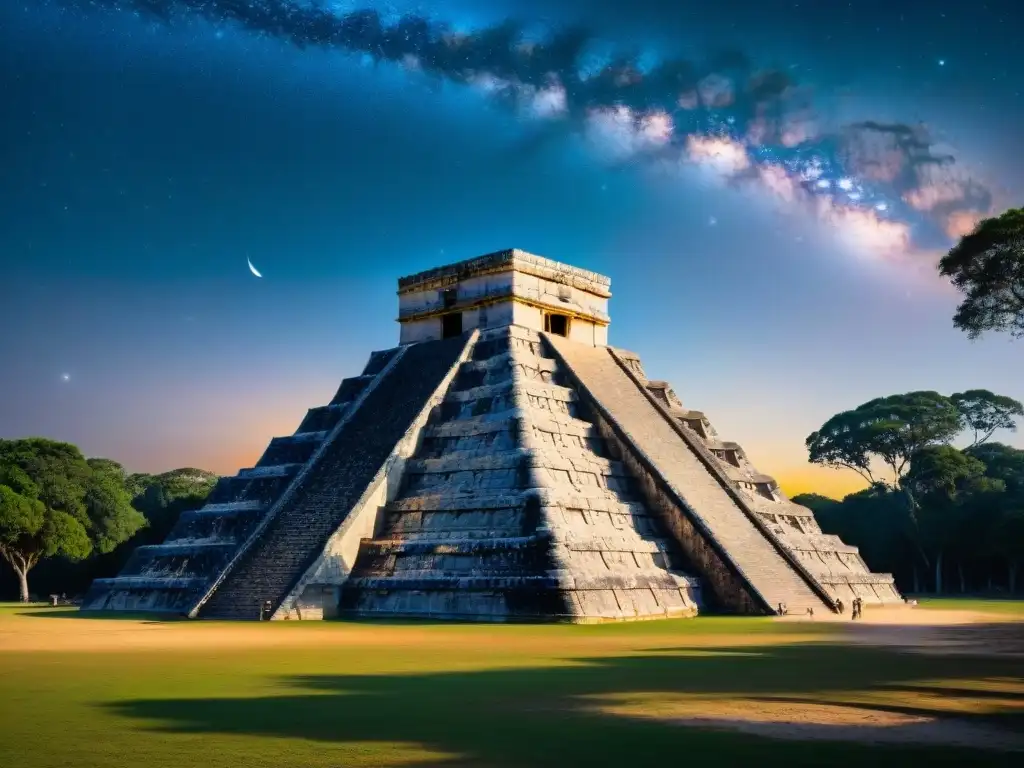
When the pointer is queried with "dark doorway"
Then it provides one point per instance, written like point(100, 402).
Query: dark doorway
point(557, 324)
point(451, 325)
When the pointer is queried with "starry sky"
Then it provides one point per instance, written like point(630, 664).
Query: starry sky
point(768, 184)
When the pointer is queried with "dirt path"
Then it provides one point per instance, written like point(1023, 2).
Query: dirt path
point(934, 632)
point(803, 720)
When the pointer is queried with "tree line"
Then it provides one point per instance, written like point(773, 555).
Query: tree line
point(67, 519)
point(937, 516)
point(932, 511)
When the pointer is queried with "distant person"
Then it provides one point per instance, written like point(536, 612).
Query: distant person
point(782, 609)
point(840, 607)
point(810, 612)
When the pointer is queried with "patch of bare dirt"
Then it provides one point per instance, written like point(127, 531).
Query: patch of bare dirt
point(1002, 639)
point(817, 721)
point(934, 632)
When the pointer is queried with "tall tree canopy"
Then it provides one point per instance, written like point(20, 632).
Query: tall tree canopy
point(108, 505)
point(985, 412)
point(1004, 463)
point(941, 481)
point(30, 531)
point(890, 429)
point(987, 267)
point(162, 498)
point(55, 502)
point(1005, 511)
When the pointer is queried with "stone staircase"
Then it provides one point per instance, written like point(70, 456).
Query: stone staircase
point(838, 568)
point(293, 535)
point(173, 576)
point(745, 569)
point(513, 508)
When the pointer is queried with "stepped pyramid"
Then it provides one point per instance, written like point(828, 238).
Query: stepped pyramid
point(502, 463)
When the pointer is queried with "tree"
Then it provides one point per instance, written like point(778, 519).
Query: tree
point(29, 531)
point(85, 505)
point(162, 498)
point(985, 412)
point(108, 506)
point(987, 267)
point(815, 502)
point(948, 507)
point(1006, 534)
point(1002, 462)
point(891, 429)
point(896, 432)
point(938, 476)
point(1008, 540)
point(59, 471)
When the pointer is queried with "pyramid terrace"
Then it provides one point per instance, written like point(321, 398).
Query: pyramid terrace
point(501, 463)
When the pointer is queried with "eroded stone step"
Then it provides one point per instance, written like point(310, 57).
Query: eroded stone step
point(433, 580)
point(202, 524)
point(378, 360)
point(152, 582)
point(504, 389)
point(561, 498)
point(323, 418)
point(400, 544)
point(505, 420)
point(272, 470)
point(291, 449)
point(473, 460)
point(184, 547)
point(351, 388)
point(510, 360)
point(230, 507)
point(182, 560)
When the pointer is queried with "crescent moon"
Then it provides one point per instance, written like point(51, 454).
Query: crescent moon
point(252, 268)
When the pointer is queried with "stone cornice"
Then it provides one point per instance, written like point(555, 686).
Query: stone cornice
point(574, 311)
point(509, 260)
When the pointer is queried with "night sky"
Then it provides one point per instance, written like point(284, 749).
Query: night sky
point(768, 184)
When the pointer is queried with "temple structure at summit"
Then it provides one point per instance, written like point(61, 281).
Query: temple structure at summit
point(501, 463)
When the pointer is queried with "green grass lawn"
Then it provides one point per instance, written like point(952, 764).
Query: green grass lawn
point(95, 692)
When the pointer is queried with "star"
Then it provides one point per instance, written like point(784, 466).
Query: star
point(712, 221)
point(66, 376)
point(942, 62)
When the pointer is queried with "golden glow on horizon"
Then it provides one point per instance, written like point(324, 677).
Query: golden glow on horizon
point(812, 479)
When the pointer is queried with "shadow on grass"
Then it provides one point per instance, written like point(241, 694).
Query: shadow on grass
point(553, 716)
point(74, 613)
